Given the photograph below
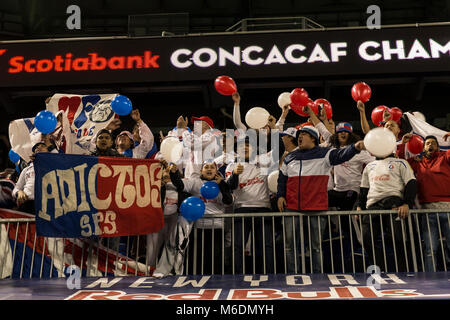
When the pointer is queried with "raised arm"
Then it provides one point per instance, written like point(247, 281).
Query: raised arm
point(237, 112)
point(362, 115)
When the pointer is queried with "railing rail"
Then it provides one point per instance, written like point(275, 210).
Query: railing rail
point(247, 243)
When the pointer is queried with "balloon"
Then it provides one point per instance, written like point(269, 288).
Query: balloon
point(396, 114)
point(121, 105)
point(377, 115)
point(14, 157)
point(192, 208)
point(210, 190)
point(272, 181)
point(299, 109)
point(415, 144)
point(225, 85)
point(284, 99)
point(324, 104)
point(299, 97)
point(171, 149)
point(361, 91)
point(45, 121)
point(380, 142)
point(257, 117)
point(419, 115)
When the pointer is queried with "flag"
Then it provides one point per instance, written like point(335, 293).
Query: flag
point(23, 254)
point(423, 129)
point(83, 196)
point(84, 116)
point(20, 137)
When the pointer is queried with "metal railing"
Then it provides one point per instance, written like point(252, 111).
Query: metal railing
point(275, 23)
point(288, 242)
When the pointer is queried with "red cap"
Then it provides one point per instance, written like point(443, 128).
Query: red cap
point(208, 120)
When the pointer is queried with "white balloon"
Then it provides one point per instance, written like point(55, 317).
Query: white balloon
point(257, 117)
point(380, 142)
point(419, 115)
point(284, 99)
point(171, 149)
point(272, 181)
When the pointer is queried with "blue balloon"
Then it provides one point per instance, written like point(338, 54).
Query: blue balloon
point(121, 105)
point(45, 121)
point(192, 208)
point(210, 190)
point(14, 157)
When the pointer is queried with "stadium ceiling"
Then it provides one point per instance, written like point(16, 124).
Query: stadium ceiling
point(31, 19)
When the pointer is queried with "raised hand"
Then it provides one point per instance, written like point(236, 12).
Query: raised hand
point(135, 115)
point(239, 169)
point(236, 97)
point(360, 105)
point(114, 124)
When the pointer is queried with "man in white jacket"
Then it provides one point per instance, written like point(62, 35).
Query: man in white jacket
point(24, 190)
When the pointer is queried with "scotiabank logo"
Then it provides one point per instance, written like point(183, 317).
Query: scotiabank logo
point(92, 62)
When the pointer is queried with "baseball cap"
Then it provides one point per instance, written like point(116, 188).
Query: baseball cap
point(344, 126)
point(301, 125)
point(33, 149)
point(312, 131)
point(290, 132)
point(208, 120)
point(127, 133)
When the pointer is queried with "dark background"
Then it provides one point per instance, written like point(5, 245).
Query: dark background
point(162, 103)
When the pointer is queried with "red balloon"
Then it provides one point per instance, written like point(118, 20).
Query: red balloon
point(361, 91)
point(225, 85)
point(377, 115)
point(299, 109)
point(396, 114)
point(415, 144)
point(299, 97)
point(323, 103)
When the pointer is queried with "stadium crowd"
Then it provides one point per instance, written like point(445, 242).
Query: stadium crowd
point(321, 166)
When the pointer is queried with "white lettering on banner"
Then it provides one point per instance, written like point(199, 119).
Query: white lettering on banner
point(49, 180)
point(275, 56)
point(109, 225)
point(367, 56)
point(288, 53)
point(234, 57)
point(418, 51)
point(210, 53)
point(297, 53)
point(291, 280)
point(336, 53)
point(246, 55)
point(437, 49)
point(318, 55)
point(176, 61)
point(399, 50)
point(135, 186)
point(92, 185)
point(124, 191)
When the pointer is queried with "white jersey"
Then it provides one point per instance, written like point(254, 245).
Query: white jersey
point(198, 149)
point(147, 141)
point(385, 178)
point(212, 206)
point(26, 182)
point(347, 176)
point(253, 190)
point(170, 200)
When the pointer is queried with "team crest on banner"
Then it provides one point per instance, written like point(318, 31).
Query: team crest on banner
point(83, 196)
point(86, 114)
